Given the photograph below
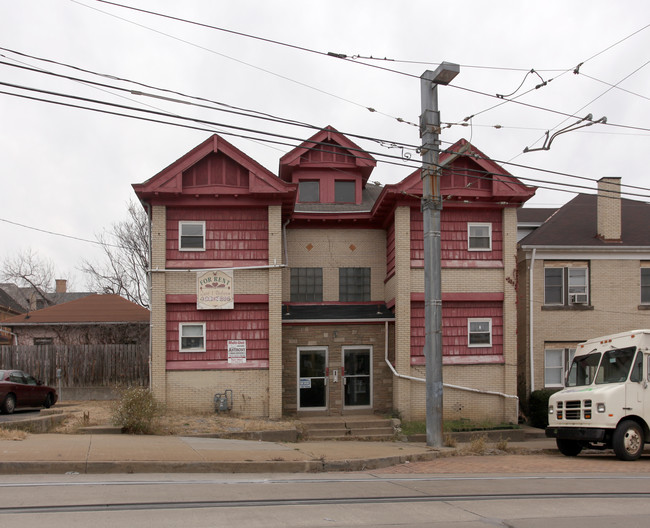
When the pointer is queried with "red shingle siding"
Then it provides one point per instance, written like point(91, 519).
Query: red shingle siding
point(454, 328)
point(249, 322)
point(236, 237)
point(390, 250)
point(215, 170)
point(453, 235)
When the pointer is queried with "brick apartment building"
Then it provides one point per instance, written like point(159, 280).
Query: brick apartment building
point(583, 273)
point(304, 292)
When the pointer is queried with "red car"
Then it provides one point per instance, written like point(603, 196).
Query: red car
point(18, 389)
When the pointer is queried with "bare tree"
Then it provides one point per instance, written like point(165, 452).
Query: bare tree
point(126, 263)
point(27, 268)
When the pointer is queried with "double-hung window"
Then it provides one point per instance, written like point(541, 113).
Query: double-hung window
point(306, 284)
point(191, 236)
point(354, 284)
point(479, 332)
point(566, 285)
point(645, 285)
point(192, 337)
point(479, 237)
point(556, 364)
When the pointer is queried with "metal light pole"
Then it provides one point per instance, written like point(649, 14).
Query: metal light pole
point(431, 208)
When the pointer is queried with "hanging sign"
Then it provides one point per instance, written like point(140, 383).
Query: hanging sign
point(236, 351)
point(214, 290)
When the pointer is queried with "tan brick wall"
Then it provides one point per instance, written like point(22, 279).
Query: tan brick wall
point(245, 282)
point(332, 249)
point(462, 280)
point(509, 287)
point(459, 404)
point(158, 306)
point(615, 287)
point(335, 337)
point(402, 363)
point(195, 390)
point(274, 286)
point(609, 208)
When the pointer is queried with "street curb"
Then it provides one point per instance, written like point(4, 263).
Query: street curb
point(42, 424)
point(269, 466)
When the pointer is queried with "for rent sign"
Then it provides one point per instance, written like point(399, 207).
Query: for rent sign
point(214, 290)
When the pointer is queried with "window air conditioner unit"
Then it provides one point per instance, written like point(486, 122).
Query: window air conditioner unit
point(579, 298)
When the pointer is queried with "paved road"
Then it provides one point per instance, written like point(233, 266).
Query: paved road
point(369, 499)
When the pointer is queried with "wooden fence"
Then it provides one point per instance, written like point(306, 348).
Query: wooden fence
point(81, 365)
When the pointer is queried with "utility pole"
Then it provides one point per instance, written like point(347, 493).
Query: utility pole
point(431, 209)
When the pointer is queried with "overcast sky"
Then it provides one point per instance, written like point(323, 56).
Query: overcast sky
point(70, 171)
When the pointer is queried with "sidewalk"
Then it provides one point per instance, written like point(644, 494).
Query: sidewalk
point(101, 453)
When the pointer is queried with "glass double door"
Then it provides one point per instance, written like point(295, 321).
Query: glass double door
point(324, 382)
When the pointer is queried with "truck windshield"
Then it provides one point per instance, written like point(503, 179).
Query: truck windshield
point(616, 365)
point(583, 370)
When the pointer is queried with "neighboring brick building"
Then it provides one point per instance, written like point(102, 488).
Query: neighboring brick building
point(588, 268)
point(90, 320)
point(304, 293)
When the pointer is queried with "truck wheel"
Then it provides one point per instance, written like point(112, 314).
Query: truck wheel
point(568, 447)
point(628, 440)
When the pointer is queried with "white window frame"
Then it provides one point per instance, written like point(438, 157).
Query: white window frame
point(646, 301)
point(180, 338)
point(469, 332)
point(180, 235)
point(566, 355)
point(584, 290)
point(469, 236)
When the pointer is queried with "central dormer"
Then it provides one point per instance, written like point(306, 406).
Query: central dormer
point(328, 168)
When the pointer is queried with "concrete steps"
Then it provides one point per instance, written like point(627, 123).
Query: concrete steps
point(348, 428)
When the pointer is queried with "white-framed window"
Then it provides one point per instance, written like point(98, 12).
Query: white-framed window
point(191, 236)
point(645, 285)
point(479, 332)
point(556, 364)
point(479, 237)
point(565, 286)
point(191, 337)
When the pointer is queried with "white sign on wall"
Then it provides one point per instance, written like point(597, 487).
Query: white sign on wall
point(214, 290)
point(236, 351)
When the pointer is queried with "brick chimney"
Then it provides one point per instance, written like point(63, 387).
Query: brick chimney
point(609, 209)
point(61, 285)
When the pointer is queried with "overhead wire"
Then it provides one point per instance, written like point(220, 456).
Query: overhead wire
point(278, 137)
point(209, 50)
point(344, 57)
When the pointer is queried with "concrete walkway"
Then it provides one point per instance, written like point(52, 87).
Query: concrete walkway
point(101, 453)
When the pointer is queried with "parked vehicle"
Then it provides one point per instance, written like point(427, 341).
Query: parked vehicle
point(606, 402)
point(18, 389)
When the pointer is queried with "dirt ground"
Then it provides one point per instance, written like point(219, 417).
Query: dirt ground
point(88, 413)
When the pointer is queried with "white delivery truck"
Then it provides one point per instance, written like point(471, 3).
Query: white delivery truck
point(606, 402)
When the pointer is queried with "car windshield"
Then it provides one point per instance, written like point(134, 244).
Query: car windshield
point(616, 365)
point(583, 370)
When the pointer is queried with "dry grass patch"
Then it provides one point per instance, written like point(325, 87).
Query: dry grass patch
point(89, 413)
point(12, 434)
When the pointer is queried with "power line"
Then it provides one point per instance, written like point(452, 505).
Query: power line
point(402, 161)
point(59, 234)
point(230, 109)
point(284, 77)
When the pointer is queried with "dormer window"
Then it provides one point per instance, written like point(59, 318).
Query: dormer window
point(309, 191)
point(344, 191)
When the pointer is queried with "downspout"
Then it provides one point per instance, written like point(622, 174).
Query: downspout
point(531, 326)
